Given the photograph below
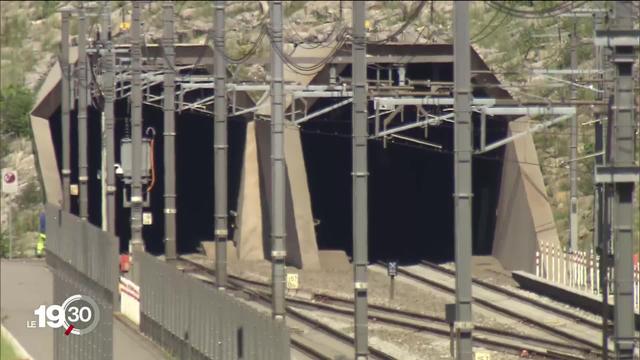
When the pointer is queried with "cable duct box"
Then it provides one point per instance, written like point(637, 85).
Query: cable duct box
point(126, 158)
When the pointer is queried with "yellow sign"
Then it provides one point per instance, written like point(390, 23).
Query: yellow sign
point(367, 25)
point(73, 189)
point(293, 282)
point(482, 356)
point(147, 218)
point(124, 26)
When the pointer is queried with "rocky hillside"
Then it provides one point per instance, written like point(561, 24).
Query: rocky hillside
point(29, 39)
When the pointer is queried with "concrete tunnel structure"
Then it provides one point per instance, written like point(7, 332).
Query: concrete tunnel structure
point(410, 186)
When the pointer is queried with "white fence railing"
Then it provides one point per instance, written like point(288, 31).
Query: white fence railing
point(579, 270)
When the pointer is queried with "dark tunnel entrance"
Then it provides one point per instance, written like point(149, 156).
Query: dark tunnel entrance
point(410, 186)
point(194, 174)
point(410, 196)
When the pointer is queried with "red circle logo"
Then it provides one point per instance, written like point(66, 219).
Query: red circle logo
point(9, 177)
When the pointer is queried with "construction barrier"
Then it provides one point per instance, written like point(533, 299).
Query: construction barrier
point(129, 299)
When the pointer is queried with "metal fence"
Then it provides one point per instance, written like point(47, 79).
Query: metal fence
point(84, 261)
point(579, 270)
point(193, 320)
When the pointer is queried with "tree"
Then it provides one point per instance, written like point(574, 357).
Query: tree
point(16, 102)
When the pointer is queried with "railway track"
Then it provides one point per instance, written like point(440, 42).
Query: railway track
point(327, 344)
point(500, 340)
point(495, 340)
point(525, 310)
point(573, 316)
point(489, 334)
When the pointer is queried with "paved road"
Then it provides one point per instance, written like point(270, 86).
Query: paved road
point(27, 284)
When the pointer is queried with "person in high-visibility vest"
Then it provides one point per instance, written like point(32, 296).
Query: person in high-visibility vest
point(42, 236)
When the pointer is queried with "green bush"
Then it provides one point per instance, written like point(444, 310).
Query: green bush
point(29, 196)
point(4, 244)
point(46, 8)
point(14, 31)
point(15, 104)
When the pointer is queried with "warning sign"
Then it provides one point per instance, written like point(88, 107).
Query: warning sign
point(9, 181)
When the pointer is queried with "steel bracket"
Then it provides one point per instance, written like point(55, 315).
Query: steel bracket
point(617, 174)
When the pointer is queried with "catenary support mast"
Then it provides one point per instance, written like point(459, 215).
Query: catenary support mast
point(360, 177)
point(278, 171)
point(108, 90)
point(220, 148)
point(463, 324)
point(83, 176)
point(169, 132)
point(136, 242)
point(66, 120)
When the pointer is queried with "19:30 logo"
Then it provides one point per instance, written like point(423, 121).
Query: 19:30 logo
point(78, 315)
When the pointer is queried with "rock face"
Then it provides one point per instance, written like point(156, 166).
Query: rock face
point(19, 212)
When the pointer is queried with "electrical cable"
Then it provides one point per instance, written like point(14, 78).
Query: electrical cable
point(252, 51)
point(418, 147)
point(559, 9)
point(312, 69)
point(152, 132)
point(304, 44)
point(481, 35)
point(486, 26)
point(414, 15)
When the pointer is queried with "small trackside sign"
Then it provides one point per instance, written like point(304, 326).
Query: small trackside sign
point(9, 181)
point(392, 268)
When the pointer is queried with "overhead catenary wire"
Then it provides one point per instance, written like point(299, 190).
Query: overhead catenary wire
point(562, 8)
point(309, 70)
point(479, 36)
point(414, 15)
point(300, 41)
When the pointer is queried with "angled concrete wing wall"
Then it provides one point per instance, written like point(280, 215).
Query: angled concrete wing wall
point(47, 102)
point(524, 216)
point(302, 248)
point(249, 233)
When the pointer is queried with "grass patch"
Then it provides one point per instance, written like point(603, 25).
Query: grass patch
point(7, 352)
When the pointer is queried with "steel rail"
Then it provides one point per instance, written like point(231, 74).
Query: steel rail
point(501, 309)
point(235, 283)
point(493, 342)
point(384, 314)
point(547, 307)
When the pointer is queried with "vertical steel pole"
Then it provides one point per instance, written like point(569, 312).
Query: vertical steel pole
point(10, 231)
point(66, 120)
point(83, 177)
point(360, 177)
point(169, 134)
point(278, 171)
point(220, 148)
point(483, 130)
point(137, 242)
point(108, 89)
point(601, 229)
point(573, 185)
point(623, 155)
point(462, 178)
